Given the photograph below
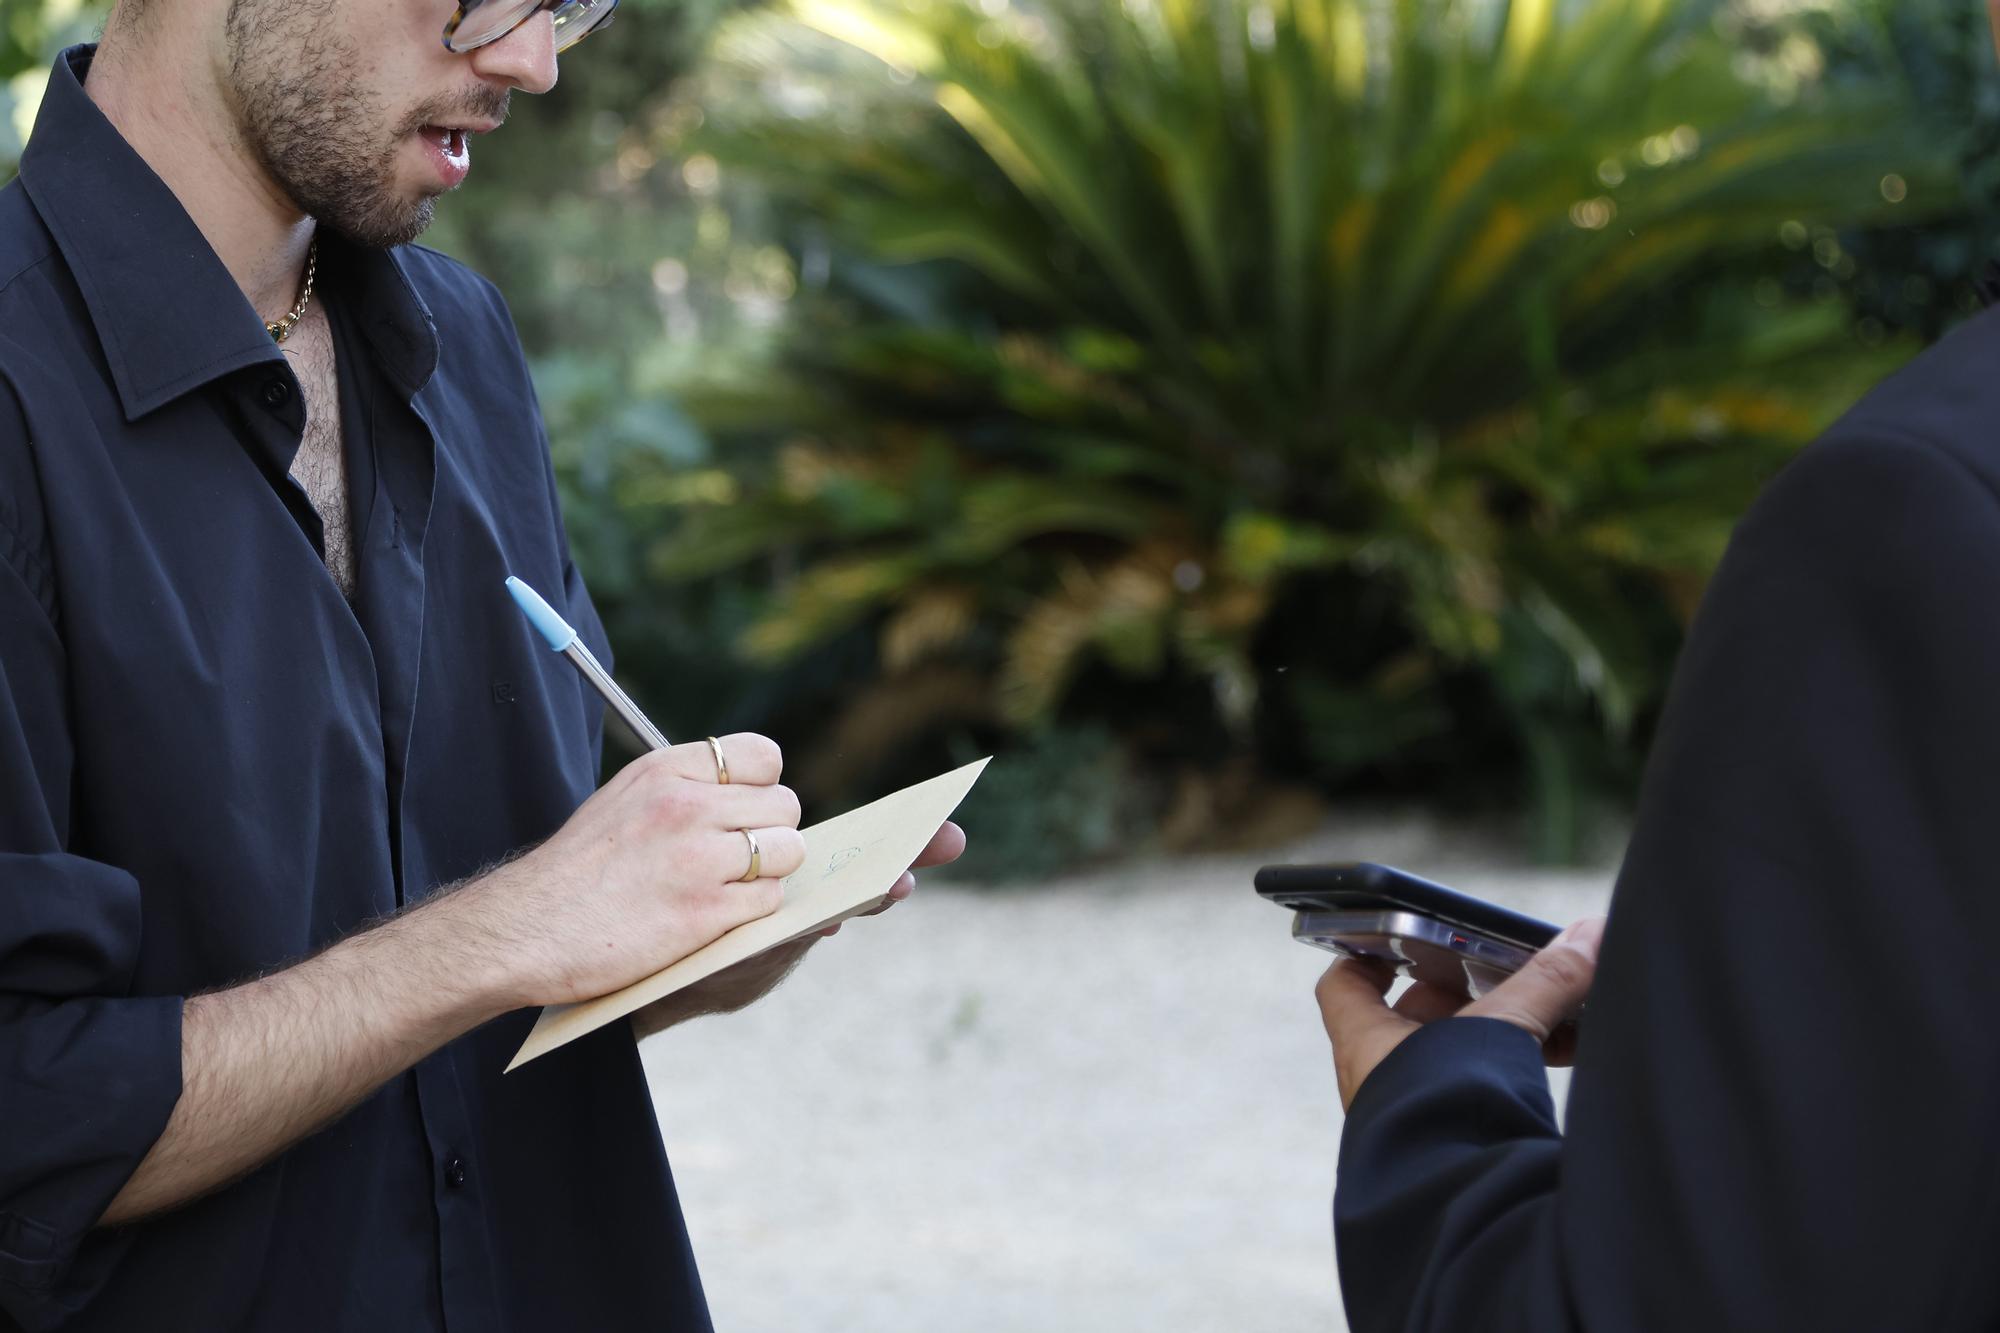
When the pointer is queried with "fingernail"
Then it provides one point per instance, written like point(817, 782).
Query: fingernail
point(1583, 936)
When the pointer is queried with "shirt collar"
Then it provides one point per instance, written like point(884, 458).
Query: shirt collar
point(392, 315)
point(167, 312)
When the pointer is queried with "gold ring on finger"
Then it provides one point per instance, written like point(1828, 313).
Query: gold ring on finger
point(756, 870)
point(721, 764)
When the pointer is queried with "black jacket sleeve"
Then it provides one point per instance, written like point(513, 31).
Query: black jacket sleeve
point(1786, 1110)
point(89, 1072)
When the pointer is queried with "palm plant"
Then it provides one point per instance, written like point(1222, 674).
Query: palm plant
point(31, 32)
point(1155, 328)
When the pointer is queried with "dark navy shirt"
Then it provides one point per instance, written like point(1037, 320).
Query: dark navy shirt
point(211, 765)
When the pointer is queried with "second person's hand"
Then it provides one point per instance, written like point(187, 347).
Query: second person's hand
point(1539, 999)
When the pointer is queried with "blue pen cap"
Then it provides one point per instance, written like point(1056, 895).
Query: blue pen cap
point(541, 615)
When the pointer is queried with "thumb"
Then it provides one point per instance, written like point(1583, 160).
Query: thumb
point(1545, 994)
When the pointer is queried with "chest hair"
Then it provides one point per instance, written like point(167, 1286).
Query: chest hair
point(320, 466)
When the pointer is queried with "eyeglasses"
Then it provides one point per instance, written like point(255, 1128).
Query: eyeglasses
point(478, 22)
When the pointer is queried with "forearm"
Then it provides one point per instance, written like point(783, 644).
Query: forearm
point(270, 1061)
point(643, 874)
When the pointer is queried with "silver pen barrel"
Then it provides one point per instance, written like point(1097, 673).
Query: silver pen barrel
point(621, 702)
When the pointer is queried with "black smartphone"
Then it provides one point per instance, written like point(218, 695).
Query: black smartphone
point(1422, 929)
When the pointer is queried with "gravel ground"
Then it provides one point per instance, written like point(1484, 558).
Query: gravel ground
point(1104, 1103)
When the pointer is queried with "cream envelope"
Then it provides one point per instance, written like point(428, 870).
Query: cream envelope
point(852, 861)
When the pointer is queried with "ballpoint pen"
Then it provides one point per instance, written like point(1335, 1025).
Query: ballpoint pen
point(569, 643)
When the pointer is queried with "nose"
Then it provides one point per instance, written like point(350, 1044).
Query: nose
point(525, 58)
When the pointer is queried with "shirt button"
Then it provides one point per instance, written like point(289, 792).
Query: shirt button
point(454, 1172)
point(277, 393)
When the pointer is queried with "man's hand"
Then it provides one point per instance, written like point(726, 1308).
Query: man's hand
point(644, 873)
point(753, 978)
point(1540, 999)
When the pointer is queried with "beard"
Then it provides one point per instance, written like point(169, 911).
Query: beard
point(309, 117)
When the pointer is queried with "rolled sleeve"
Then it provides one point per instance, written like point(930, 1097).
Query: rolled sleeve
point(88, 1072)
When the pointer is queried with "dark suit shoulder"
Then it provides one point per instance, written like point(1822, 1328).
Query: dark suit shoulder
point(1918, 455)
point(1947, 398)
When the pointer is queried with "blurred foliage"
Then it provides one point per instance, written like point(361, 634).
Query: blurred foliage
point(1919, 276)
point(1205, 405)
point(566, 204)
point(1043, 805)
point(31, 32)
point(1369, 388)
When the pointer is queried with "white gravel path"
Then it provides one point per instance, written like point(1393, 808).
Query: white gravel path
point(1100, 1104)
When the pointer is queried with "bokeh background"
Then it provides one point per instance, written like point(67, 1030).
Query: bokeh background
point(1271, 427)
point(1217, 410)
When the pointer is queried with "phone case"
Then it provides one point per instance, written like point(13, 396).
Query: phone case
point(1424, 930)
point(1366, 886)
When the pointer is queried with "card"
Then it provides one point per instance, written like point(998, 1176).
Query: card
point(852, 861)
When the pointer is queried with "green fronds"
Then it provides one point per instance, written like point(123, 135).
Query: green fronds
point(1239, 303)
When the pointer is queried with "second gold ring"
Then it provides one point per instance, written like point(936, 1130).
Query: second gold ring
point(756, 870)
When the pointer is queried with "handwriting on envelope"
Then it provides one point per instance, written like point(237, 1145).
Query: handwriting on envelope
point(852, 861)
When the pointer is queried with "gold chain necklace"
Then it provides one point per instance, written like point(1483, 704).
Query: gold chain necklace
point(283, 327)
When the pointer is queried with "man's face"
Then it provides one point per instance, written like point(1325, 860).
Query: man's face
point(358, 112)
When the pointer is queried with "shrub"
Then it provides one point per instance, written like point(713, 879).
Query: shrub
point(1367, 387)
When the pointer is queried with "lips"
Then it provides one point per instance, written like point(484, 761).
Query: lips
point(449, 153)
point(449, 140)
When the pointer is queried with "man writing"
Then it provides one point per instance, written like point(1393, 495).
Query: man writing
point(263, 469)
point(1787, 1087)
